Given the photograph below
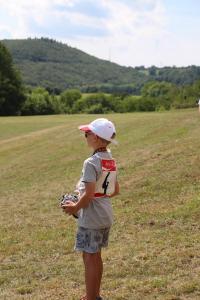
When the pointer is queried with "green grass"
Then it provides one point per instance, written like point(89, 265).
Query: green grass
point(154, 244)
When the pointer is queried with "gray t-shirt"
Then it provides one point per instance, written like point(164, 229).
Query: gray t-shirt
point(99, 212)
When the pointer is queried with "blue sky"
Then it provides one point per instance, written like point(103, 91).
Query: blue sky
point(128, 32)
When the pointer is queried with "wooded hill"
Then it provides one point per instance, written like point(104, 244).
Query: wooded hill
point(57, 66)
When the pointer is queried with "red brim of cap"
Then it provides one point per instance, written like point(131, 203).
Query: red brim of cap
point(84, 128)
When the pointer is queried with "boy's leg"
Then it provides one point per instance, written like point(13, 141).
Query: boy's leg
point(93, 274)
point(100, 272)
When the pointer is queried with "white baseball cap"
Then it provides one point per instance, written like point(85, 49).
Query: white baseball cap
point(102, 128)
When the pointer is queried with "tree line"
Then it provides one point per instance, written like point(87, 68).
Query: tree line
point(155, 96)
point(15, 99)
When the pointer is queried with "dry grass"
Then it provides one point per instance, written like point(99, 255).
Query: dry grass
point(154, 244)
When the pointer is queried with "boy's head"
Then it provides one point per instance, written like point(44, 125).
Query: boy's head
point(100, 132)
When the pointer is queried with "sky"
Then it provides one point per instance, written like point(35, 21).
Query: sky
point(127, 32)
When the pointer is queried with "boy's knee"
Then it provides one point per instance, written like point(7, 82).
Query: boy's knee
point(87, 257)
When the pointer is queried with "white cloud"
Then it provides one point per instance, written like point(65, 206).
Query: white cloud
point(131, 32)
point(43, 14)
point(129, 20)
point(22, 11)
point(124, 18)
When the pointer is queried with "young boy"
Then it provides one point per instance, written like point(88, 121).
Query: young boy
point(97, 185)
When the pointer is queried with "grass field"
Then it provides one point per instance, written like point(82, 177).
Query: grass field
point(154, 250)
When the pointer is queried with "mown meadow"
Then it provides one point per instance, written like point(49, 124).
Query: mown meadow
point(155, 241)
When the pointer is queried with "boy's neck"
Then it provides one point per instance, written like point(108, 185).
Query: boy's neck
point(100, 149)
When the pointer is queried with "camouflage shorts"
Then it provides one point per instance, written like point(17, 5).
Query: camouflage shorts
point(91, 240)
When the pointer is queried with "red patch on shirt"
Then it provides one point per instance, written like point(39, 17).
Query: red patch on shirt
point(108, 165)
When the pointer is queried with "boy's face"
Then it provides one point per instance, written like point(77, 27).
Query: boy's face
point(91, 138)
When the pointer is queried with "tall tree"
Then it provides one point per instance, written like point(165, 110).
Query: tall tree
point(11, 91)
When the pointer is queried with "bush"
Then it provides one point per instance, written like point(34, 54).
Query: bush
point(95, 109)
point(69, 97)
point(96, 103)
point(39, 102)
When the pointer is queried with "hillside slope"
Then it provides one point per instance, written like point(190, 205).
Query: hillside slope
point(154, 244)
point(55, 65)
point(52, 64)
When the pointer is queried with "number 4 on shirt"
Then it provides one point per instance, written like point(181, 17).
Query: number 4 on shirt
point(106, 183)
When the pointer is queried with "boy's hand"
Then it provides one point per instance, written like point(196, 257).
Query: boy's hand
point(72, 208)
point(69, 208)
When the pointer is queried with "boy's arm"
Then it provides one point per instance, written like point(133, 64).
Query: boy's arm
point(116, 191)
point(72, 208)
point(87, 196)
